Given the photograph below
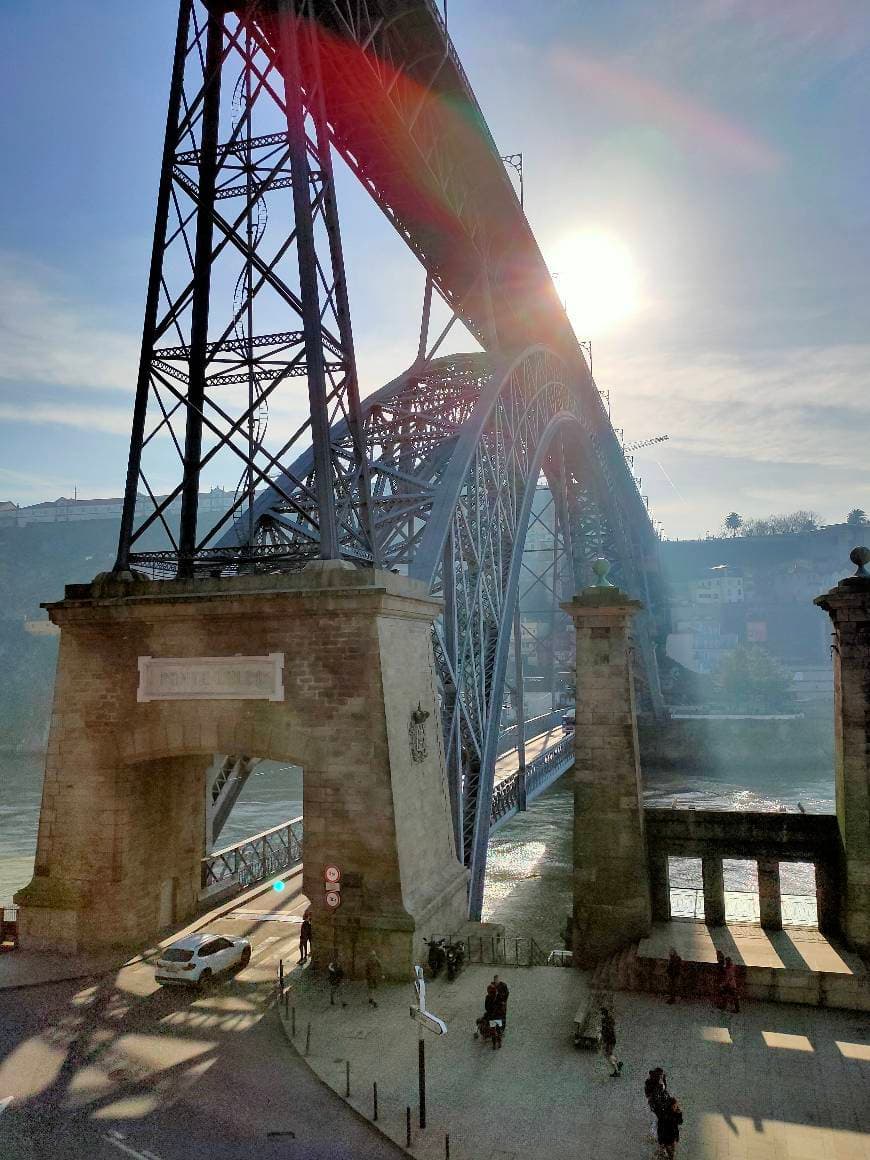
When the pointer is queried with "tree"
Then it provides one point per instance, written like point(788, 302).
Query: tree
point(781, 525)
point(733, 522)
point(751, 680)
point(857, 518)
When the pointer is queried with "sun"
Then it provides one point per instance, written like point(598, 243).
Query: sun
point(598, 281)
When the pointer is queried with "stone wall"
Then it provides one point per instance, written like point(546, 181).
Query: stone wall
point(123, 795)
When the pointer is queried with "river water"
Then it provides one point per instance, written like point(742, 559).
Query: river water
point(528, 884)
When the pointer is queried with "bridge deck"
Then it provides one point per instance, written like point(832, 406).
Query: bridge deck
point(508, 763)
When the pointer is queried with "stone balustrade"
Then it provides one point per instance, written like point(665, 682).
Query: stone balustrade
point(764, 838)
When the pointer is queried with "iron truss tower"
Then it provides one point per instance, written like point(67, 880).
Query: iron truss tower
point(246, 238)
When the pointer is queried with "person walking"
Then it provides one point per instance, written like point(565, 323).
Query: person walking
point(335, 975)
point(669, 1118)
point(675, 970)
point(304, 938)
point(502, 993)
point(655, 1089)
point(608, 1043)
point(374, 974)
point(497, 1020)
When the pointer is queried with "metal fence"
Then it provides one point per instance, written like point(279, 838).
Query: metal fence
point(256, 858)
point(504, 951)
point(9, 924)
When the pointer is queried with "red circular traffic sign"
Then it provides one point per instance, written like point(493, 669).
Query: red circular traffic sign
point(332, 874)
point(333, 899)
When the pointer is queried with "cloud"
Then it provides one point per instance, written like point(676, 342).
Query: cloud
point(794, 406)
point(113, 420)
point(675, 113)
point(48, 338)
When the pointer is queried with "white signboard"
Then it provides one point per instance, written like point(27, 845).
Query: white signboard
point(211, 678)
point(424, 1017)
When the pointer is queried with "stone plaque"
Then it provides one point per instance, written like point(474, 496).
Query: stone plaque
point(211, 678)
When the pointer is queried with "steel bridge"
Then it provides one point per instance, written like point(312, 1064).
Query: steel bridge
point(434, 475)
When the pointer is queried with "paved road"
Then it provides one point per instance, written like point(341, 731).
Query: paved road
point(126, 1068)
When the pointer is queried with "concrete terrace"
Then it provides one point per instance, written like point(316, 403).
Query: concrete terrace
point(772, 1083)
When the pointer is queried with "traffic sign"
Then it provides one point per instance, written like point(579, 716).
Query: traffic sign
point(431, 1022)
point(333, 899)
point(332, 874)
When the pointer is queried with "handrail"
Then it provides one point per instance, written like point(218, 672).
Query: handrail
point(255, 858)
point(534, 726)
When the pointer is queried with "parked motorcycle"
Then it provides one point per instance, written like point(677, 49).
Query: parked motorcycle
point(455, 955)
point(437, 954)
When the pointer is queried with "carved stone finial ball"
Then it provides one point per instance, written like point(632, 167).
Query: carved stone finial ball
point(601, 567)
point(860, 556)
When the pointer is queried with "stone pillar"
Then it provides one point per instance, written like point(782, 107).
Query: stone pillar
point(848, 606)
point(660, 887)
point(713, 878)
point(121, 830)
point(611, 882)
point(769, 896)
point(828, 897)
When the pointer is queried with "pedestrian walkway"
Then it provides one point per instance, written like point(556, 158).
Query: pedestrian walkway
point(772, 1083)
point(508, 763)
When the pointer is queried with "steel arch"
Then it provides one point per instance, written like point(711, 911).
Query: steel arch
point(455, 449)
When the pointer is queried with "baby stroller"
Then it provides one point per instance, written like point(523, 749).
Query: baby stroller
point(490, 1028)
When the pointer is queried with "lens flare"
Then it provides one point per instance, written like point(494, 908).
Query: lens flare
point(598, 281)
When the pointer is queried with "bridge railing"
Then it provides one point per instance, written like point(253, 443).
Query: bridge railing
point(505, 796)
point(256, 858)
point(534, 725)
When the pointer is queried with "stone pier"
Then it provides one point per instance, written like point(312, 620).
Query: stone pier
point(611, 883)
point(330, 669)
point(848, 606)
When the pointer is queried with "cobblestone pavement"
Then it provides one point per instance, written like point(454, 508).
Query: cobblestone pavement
point(772, 1083)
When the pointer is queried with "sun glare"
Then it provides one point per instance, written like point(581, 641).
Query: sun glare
point(597, 280)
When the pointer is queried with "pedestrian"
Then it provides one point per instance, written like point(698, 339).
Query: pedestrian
point(655, 1089)
point(335, 975)
point(496, 1020)
point(729, 987)
point(668, 1120)
point(608, 1043)
point(675, 970)
point(502, 992)
point(489, 1004)
point(374, 974)
point(304, 937)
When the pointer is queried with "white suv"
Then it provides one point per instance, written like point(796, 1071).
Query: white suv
point(199, 957)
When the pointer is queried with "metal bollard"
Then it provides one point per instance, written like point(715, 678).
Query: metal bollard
point(307, 1038)
point(286, 1001)
point(407, 1127)
point(293, 1022)
point(375, 1102)
point(447, 1146)
point(347, 1079)
point(281, 973)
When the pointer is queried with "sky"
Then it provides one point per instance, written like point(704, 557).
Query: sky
point(696, 174)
